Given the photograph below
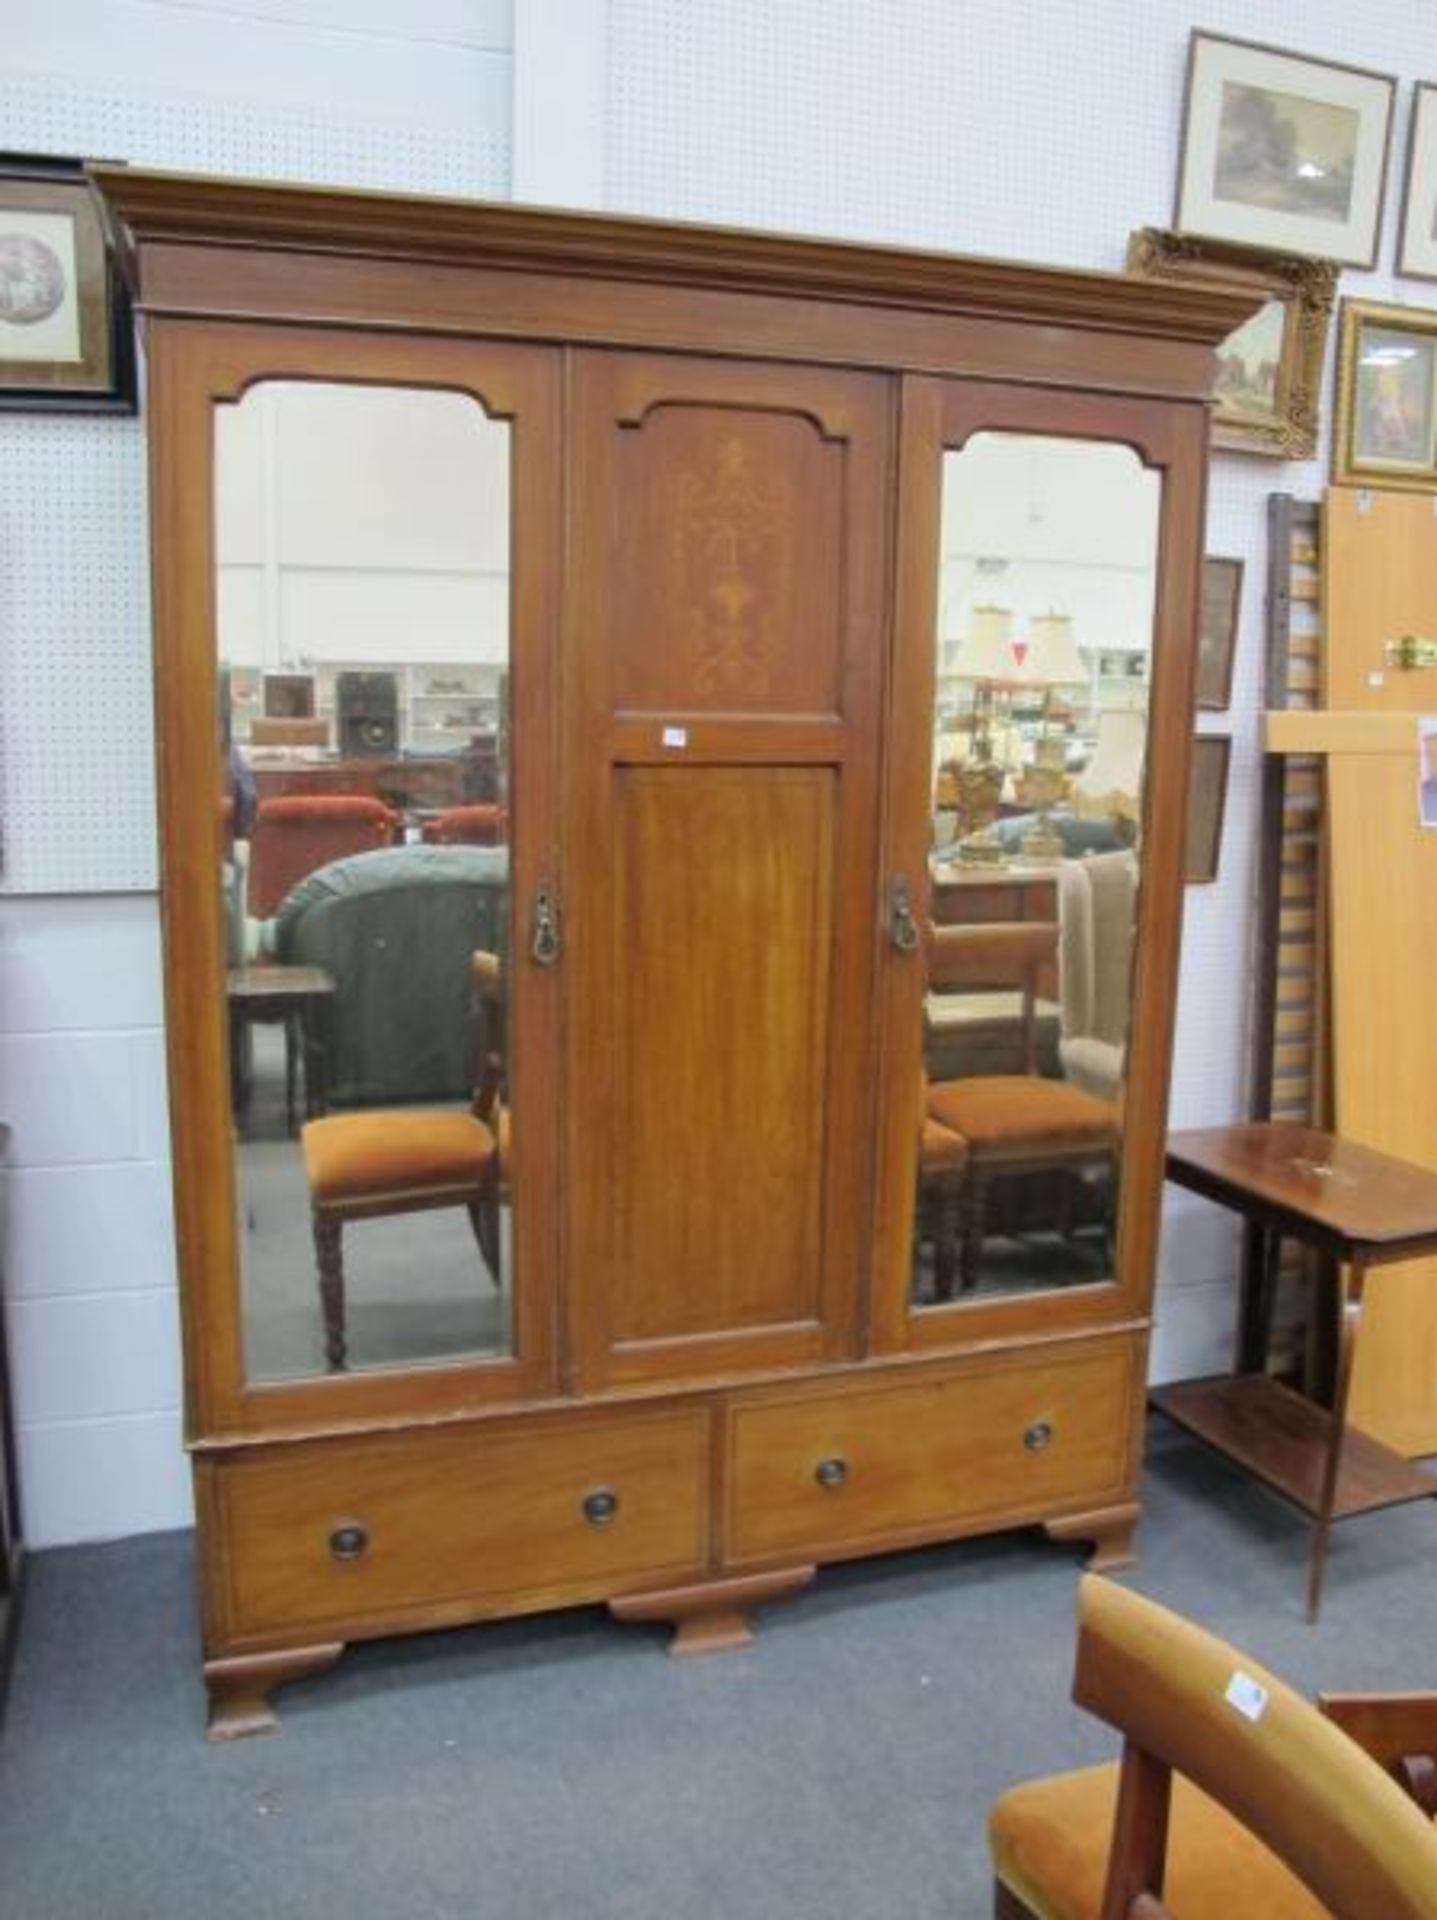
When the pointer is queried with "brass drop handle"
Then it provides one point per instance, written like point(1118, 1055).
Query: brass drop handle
point(600, 1506)
point(1039, 1436)
point(349, 1541)
point(544, 940)
point(831, 1472)
point(902, 927)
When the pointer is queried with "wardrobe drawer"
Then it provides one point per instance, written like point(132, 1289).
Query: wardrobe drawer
point(895, 1460)
point(458, 1524)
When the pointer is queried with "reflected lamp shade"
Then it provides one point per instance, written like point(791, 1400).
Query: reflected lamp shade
point(985, 650)
point(1117, 763)
point(1053, 659)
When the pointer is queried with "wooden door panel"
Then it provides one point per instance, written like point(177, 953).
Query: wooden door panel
point(725, 651)
point(740, 862)
point(730, 611)
point(1379, 582)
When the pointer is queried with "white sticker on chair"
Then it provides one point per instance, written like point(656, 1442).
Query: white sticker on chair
point(1244, 1693)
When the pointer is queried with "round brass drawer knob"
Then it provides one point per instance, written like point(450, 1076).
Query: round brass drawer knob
point(600, 1506)
point(1038, 1436)
point(831, 1473)
point(349, 1541)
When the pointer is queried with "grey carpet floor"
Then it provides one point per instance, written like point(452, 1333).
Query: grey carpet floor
point(560, 1765)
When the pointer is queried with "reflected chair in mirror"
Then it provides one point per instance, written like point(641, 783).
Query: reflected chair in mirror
point(296, 833)
point(1233, 1796)
point(1012, 1123)
point(364, 1166)
point(942, 1168)
point(476, 826)
point(1097, 905)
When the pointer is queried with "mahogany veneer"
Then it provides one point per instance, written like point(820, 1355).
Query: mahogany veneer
point(726, 469)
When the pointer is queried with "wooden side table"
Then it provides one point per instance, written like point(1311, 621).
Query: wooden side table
point(299, 998)
point(1368, 1210)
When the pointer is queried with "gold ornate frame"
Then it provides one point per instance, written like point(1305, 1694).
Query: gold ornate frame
point(1352, 463)
point(1307, 290)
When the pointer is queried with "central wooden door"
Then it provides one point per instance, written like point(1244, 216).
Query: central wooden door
point(724, 647)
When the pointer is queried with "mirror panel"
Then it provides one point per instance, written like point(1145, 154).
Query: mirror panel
point(362, 612)
point(1041, 658)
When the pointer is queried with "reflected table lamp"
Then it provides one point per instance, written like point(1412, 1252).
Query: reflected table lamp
point(1110, 785)
point(983, 659)
point(1052, 660)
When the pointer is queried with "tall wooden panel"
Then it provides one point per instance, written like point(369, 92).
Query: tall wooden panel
point(1380, 582)
point(727, 653)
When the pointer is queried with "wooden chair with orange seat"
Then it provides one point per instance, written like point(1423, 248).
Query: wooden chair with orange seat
point(1011, 1123)
point(1233, 1799)
point(390, 1160)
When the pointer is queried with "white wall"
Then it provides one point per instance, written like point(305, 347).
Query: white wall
point(1046, 131)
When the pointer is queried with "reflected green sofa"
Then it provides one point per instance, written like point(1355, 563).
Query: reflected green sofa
point(395, 929)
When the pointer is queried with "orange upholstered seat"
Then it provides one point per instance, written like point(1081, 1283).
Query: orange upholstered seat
point(991, 1110)
point(941, 1150)
point(358, 1156)
point(1049, 1841)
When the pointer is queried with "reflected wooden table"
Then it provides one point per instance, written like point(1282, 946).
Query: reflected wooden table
point(1366, 1209)
point(297, 998)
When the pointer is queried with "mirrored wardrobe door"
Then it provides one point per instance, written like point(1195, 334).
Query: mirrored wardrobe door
point(362, 538)
point(373, 781)
point(1041, 657)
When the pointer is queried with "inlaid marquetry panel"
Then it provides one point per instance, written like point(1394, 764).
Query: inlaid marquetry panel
point(724, 895)
point(740, 516)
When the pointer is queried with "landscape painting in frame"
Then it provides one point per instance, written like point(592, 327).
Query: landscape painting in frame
point(1417, 249)
point(1267, 393)
point(1283, 151)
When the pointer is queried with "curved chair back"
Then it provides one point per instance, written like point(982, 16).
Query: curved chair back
point(476, 826)
point(1187, 1702)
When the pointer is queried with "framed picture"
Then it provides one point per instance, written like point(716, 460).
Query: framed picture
point(1269, 381)
point(65, 335)
point(1386, 428)
point(1283, 151)
point(1207, 799)
point(1417, 245)
point(1217, 632)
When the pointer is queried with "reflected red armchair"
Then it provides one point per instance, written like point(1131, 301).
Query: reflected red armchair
point(477, 826)
point(296, 833)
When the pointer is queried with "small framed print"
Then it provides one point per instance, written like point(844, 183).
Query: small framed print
point(1217, 632)
point(1207, 802)
point(1267, 397)
point(65, 333)
point(1386, 428)
point(1283, 151)
point(1417, 246)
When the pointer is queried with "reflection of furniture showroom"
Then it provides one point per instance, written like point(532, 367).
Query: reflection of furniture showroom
point(296, 833)
point(719, 1379)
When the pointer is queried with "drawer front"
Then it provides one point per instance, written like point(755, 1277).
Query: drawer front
point(459, 1524)
point(903, 1460)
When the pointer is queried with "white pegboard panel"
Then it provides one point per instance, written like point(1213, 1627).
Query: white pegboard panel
point(76, 741)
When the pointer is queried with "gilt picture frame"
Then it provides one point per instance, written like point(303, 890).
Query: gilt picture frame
point(1268, 393)
point(1207, 803)
point(1385, 432)
point(66, 340)
point(1283, 150)
point(1417, 242)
